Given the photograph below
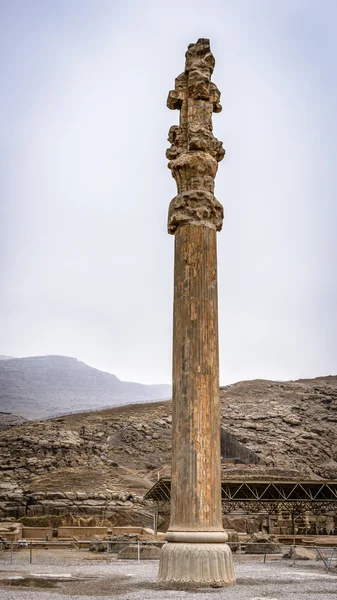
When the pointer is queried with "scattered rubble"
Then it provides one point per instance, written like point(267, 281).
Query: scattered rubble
point(261, 543)
point(299, 553)
point(148, 551)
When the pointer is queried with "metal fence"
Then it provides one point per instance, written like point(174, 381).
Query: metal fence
point(8, 549)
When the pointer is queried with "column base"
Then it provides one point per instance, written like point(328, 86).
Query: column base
point(200, 563)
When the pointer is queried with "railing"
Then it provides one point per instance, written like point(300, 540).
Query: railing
point(10, 546)
point(327, 554)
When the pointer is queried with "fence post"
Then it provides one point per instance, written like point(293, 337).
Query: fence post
point(138, 551)
point(31, 551)
point(265, 554)
point(331, 557)
point(294, 554)
point(239, 552)
point(107, 551)
point(11, 552)
point(155, 520)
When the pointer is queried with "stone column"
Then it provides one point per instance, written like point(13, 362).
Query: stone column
point(196, 549)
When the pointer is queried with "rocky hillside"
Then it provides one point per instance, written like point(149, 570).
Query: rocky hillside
point(44, 386)
point(291, 427)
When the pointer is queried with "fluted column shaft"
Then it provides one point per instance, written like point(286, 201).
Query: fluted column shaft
point(196, 485)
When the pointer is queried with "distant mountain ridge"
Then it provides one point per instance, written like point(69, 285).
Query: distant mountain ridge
point(44, 386)
point(7, 420)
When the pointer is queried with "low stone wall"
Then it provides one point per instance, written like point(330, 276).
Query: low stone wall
point(37, 533)
point(10, 531)
point(86, 533)
point(117, 530)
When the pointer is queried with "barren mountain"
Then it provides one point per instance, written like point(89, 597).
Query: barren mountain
point(291, 427)
point(8, 420)
point(44, 386)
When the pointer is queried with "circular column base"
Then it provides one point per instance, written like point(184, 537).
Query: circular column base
point(200, 563)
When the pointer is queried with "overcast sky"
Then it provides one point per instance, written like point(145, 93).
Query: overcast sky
point(86, 263)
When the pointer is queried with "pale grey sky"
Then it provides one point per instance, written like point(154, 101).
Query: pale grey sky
point(86, 263)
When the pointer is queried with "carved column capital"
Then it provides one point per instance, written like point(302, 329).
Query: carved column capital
point(196, 207)
point(195, 152)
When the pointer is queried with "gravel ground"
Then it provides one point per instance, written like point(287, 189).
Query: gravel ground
point(93, 578)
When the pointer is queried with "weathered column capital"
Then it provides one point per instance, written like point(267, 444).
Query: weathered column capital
point(195, 152)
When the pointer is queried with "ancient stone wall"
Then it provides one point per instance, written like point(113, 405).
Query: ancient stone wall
point(120, 508)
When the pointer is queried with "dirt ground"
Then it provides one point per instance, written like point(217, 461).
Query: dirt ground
point(82, 575)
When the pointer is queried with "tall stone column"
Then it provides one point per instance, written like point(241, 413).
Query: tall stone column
point(196, 549)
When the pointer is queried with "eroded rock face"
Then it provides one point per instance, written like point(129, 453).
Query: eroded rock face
point(93, 464)
point(291, 426)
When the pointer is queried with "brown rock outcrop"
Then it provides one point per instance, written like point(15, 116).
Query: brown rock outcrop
point(291, 426)
point(92, 455)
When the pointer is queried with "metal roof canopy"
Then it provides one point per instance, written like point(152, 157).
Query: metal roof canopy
point(292, 495)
